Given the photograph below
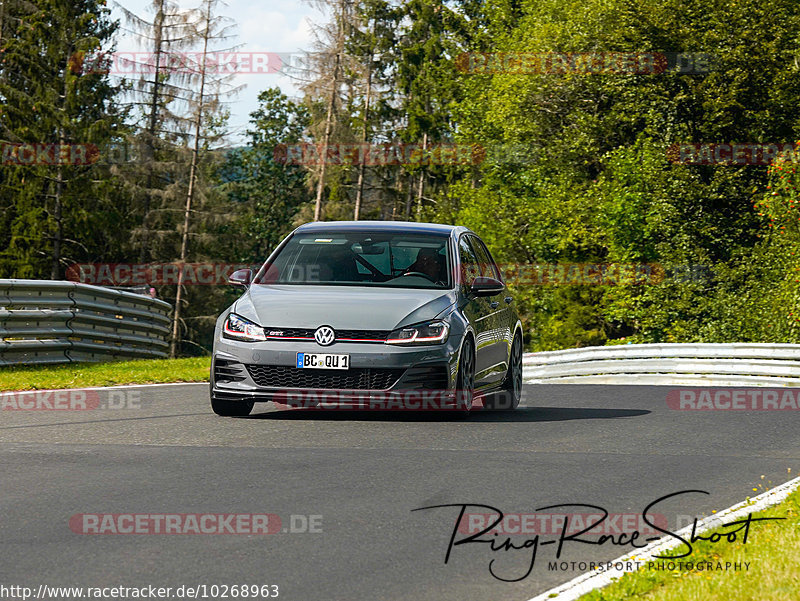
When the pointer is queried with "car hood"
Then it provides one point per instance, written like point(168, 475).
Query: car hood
point(343, 307)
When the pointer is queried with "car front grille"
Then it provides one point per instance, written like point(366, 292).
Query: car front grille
point(378, 335)
point(280, 376)
point(344, 335)
point(279, 333)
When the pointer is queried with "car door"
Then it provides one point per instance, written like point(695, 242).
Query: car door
point(497, 319)
point(476, 310)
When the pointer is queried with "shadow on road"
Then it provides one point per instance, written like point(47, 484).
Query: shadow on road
point(523, 414)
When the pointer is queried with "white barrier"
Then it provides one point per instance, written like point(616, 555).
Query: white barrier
point(735, 364)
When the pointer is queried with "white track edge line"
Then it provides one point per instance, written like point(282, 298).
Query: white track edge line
point(590, 581)
point(35, 390)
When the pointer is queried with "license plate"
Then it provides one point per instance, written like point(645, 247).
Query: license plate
point(322, 361)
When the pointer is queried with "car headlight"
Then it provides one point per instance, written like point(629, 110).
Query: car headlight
point(434, 332)
point(239, 328)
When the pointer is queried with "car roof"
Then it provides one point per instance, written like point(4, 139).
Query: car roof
point(381, 226)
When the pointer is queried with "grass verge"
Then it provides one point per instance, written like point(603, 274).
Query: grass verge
point(82, 375)
point(772, 550)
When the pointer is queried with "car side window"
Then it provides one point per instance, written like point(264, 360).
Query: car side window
point(485, 261)
point(468, 261)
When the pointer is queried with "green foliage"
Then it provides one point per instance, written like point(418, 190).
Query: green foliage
point(267, 192)
point(57, 214)
point(576, 168)
point(596, 183)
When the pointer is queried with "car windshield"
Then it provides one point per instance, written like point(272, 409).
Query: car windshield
point(399, 260)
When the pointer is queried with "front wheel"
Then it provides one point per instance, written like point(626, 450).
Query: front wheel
point(509, 397)
point(231, 408)
point(465, 380)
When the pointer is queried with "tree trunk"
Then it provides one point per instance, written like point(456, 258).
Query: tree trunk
point(190, 192)
point(55, 270)
point(364, 139)
point(329, 116)
point(158, 26)
point(2, 25)
point(421, 184)
point(326, 140)
point(409, 193)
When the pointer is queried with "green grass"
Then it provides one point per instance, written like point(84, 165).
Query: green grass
point(772, 549)
point(80, 375)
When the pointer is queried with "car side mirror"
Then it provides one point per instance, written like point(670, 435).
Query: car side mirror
point(484, 286)
point(241, 277)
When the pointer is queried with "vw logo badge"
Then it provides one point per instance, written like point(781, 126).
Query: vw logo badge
point(324, 335)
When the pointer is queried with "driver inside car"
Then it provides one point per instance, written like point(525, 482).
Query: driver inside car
point(429, 262)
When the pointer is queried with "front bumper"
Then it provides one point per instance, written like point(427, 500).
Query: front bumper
point(267, 371)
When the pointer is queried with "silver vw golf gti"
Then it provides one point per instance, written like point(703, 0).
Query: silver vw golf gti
point(350, 312)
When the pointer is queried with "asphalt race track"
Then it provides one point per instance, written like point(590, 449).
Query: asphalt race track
point(362, 474)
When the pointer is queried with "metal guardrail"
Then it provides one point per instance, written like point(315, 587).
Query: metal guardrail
point(735, 364)
point(44, 321)
point(48, 321)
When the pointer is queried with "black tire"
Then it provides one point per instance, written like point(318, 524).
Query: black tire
point(231, 408)
point(465, 379)
point(509, 397)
